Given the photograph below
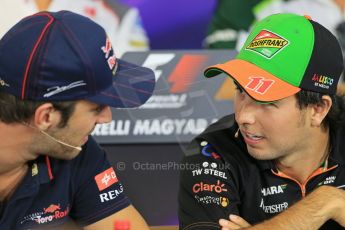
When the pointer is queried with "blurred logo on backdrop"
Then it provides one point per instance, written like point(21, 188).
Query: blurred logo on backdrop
point(184, 102)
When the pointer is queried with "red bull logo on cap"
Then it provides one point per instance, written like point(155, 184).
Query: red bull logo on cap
point(111, 59)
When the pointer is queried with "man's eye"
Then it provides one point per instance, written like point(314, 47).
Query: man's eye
point(99, 108)
point(239, 88)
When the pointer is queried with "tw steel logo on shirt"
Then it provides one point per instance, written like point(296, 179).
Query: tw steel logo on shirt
point(209, 169)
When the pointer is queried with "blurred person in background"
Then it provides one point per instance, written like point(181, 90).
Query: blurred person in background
point(233, 18)
point(122, 24)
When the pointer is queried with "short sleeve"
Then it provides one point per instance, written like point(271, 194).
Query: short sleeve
point(208, 190)
point(98, 192)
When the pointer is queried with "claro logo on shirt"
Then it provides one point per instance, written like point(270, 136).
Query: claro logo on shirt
point(202, 186)
point(106, 179)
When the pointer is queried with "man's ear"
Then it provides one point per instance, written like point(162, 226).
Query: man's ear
point(320, 110)
point(46, 116)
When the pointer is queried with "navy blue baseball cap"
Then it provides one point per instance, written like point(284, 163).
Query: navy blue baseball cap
point(64, 56)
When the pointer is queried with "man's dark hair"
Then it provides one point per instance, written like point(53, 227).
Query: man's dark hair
point(336, 114)
point(13, 110)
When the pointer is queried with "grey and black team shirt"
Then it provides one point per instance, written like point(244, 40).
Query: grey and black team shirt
point(221, 178)
point(55, 192)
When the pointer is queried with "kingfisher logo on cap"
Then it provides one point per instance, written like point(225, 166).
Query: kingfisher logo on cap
point(267, 44)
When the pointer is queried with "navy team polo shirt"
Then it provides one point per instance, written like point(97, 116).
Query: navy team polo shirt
point(55, 192)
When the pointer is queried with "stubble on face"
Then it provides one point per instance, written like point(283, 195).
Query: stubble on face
point(44, 145)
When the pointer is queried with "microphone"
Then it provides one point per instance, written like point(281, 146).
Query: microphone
point(61, 142)
point(53, 138)
point(237, 132)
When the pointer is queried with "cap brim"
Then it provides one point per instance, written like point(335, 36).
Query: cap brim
point(132, 86)
point(258, 83)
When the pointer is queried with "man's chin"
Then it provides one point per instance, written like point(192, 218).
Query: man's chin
point(259, 155)
point(70, 155)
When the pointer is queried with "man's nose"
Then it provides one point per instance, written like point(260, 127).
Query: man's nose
point(245, 110)
point(104, 116)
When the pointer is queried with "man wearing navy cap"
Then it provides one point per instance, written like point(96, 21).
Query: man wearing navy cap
point(58, 77)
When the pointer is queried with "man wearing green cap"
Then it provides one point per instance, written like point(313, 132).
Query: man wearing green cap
point(278, 161)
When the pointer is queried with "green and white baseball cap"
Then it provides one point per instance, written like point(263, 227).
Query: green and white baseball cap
point(283, 54)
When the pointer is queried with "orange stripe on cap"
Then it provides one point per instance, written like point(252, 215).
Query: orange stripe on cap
point(258, 83)
point(307, 17)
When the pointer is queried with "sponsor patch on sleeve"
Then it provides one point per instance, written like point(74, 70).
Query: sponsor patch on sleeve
point(105, 179)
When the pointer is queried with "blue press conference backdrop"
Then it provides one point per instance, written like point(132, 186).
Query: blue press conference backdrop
point(175, 24)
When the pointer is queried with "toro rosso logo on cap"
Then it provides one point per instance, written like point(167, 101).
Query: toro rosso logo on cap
point(111, 59)
point(267, 44)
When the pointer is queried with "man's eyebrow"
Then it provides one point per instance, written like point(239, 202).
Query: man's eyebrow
point(237, 85)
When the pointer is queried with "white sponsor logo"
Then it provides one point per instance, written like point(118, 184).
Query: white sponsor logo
point(106, 179)
point(273, 190)
point(53, 212)
point(329, 180)
point(219, 200)
point(209, 169)
point(32, 217)
point(3, 83)
point(275, 208)
point(58, 89)
point(110, 195)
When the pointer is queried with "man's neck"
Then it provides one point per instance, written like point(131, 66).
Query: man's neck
point(14, 145)
point(10, 181)
point(302, 165)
